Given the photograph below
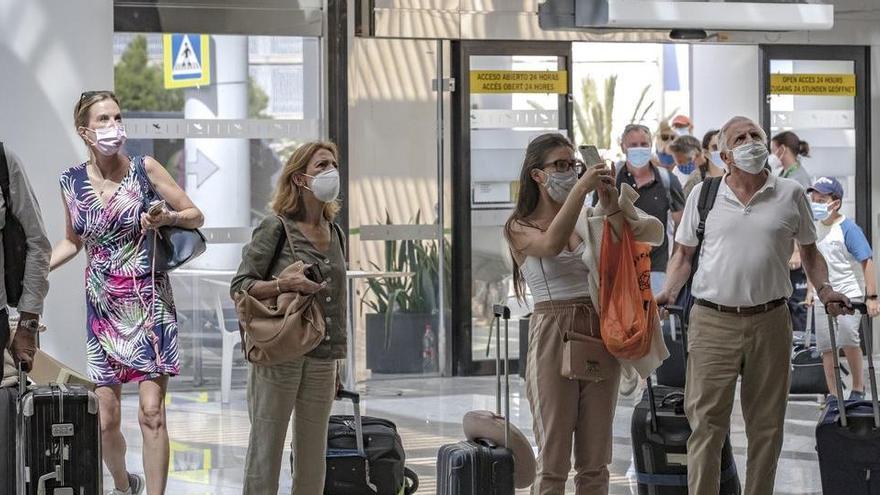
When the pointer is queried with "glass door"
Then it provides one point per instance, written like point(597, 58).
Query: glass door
point(507, 94)
point(821, 94)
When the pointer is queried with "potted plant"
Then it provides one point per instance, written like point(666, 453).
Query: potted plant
point(402, 329)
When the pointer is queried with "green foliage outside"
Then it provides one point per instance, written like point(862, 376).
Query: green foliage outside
point(140, 87)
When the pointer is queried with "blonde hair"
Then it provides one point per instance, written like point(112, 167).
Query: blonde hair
point(286, 199)
point(86, 101)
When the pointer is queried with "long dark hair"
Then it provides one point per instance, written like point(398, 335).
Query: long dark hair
point(529, 194)
point(791, 141)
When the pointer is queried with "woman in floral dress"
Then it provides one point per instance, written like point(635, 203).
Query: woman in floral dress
point(131, 320)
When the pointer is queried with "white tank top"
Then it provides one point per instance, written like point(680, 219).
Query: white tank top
point(566, 275)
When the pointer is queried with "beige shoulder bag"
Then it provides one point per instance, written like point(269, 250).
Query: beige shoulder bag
point(282, 328)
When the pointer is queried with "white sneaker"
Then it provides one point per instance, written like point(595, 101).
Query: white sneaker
point(136, 484)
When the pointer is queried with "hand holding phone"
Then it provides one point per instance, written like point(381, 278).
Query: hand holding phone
point(156, 207)
point(590, 155)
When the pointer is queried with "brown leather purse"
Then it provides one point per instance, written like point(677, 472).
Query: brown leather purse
point(585, 358)
point(281, 328)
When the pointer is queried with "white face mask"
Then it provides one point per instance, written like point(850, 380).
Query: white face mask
point(750, 157)
point(774, 161)
point(560, 184)
point(325, 186)
point(682, 131)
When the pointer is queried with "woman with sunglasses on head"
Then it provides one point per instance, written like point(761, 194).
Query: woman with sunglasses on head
point(131, 319)
point(301, 228)
point(548, 256)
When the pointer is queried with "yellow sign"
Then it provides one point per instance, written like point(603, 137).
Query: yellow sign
point(519, 81)
point(813, 84)
point(187, 60)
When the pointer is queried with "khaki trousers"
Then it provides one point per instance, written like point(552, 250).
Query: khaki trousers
point(723, 347)
point(307, 387)
point(566, 410)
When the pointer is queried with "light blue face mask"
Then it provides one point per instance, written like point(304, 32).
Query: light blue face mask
point(638, 157)
point(820, 211)
point(716, 159)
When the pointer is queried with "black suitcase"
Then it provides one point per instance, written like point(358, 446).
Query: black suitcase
point(59, 440)
point(481, 468)
point(848, 433)
point(8, 408)
point(660, 432)
point(672, 371)
point(365, 456)
point(807, 373)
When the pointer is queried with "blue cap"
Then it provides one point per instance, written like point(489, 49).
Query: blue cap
point(827, 185)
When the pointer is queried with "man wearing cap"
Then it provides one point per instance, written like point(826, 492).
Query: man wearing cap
point(682, 125)
point(740, 326)
point(850, 267)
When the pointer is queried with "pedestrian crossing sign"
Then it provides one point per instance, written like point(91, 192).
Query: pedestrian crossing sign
point(187, 60)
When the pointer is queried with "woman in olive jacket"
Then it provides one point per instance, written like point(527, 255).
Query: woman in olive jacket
point(305, 202)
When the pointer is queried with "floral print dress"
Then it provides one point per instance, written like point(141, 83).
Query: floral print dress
point(131, 319)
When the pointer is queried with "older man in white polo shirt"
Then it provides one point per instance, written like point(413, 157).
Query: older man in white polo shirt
point(740, 324)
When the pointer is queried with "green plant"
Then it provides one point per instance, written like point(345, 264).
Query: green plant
point(413, 294)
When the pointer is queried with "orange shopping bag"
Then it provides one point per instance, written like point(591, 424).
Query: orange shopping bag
point(629, 311)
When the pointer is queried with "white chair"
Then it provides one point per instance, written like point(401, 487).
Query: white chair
point(230, 339)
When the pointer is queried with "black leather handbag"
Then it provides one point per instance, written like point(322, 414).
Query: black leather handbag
point(168, 247)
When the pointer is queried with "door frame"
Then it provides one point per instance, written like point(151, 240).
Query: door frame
point(860, 56)
point(461, 346)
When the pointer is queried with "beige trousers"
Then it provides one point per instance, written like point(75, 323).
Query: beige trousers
point(568, 411)
point(306, 387)
point(723, 347)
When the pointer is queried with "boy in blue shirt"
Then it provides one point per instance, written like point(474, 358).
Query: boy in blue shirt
point(850, 272)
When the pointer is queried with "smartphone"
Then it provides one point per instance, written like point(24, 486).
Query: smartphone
point(314, 274)
point(590, 155)
point(156, 207)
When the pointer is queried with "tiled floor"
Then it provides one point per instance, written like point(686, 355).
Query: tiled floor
point(209, 440)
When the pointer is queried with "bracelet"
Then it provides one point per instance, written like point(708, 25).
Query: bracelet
point(278, 286)
point(826, 285)
point(871, 297)
point(175, 217)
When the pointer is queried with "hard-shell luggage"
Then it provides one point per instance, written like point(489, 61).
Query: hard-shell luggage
point(8, 409)
point(59, 440)
point(365, 456)
point(660, 432)
point(672, 371)
point(807, 373)
point(480, 467)
point(848, 433)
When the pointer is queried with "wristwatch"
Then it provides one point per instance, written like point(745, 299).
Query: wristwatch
point(32, 325)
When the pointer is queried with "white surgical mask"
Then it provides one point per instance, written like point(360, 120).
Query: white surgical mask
point(560, 184)
point(774, 161)
point(325, 186)
point(638, 157)
point(750, 157)
point(682, 131)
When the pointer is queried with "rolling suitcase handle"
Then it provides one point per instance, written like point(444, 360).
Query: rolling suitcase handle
point(355, 399)
point(502, 312)
point(867, 334)
point(674, 311)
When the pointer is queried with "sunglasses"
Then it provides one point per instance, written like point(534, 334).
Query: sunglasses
point(89, 94)
point(667, 137)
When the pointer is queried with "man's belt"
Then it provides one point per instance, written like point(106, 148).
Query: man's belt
point(742, 310)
